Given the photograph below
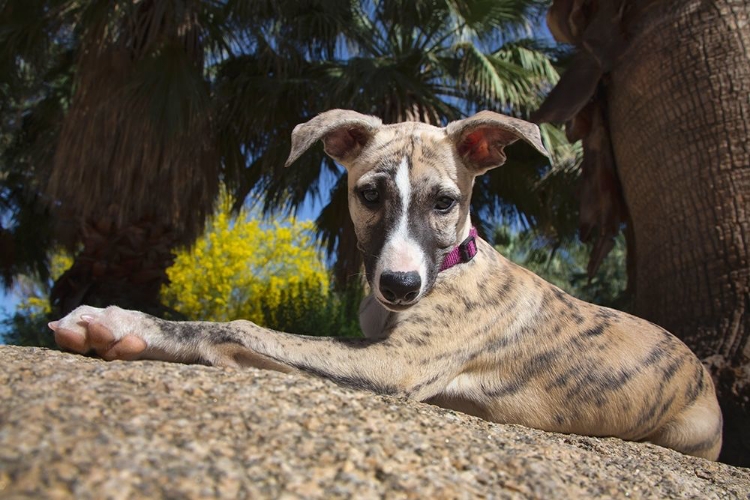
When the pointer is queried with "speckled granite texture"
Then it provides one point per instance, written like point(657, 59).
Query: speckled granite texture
point(76, 427)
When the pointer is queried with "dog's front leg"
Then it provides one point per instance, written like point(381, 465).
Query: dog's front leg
point(379, 365)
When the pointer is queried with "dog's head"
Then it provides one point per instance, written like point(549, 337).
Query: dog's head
point(409, 188)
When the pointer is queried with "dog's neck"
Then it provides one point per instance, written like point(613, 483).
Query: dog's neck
point(461, 253)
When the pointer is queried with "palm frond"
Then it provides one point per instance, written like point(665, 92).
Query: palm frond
point(510, 79)
point(497, 21)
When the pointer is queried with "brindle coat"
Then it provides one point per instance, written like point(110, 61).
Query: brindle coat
point(485, 337)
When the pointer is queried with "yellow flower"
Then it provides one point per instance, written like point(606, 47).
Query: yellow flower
point(243, 268)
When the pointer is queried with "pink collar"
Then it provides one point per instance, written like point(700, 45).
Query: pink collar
point(463, 252)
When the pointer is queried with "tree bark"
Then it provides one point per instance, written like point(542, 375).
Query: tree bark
point(679, 114)
point(118, 266)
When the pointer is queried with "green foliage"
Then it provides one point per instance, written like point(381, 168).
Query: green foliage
point(564, 265)
point(28, 324)
point(306, 311)
point(31, 100)
point(26, 328)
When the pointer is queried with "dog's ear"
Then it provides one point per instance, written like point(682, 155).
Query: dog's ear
point(480, 139)
point(344, 134)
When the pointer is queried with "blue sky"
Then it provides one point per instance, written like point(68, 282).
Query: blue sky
point(8, 303)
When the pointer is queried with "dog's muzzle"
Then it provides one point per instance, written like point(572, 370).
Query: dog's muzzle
point(401, 290)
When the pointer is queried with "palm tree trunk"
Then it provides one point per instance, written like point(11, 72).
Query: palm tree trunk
point(679, 116)
point(123, 266)
point(136, 170)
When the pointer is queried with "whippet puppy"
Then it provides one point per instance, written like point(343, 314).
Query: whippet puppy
point(450, 321)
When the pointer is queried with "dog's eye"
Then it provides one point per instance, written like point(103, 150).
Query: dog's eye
point(370, 196)
point(444, 204)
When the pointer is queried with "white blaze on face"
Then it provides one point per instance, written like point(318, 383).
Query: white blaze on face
point(401, 253)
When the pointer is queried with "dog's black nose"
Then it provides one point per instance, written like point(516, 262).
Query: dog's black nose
point(400, 287)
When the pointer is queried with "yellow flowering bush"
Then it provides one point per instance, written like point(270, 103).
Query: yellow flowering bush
point(243, 268)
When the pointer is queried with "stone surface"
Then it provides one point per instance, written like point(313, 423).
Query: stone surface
point(77, 427)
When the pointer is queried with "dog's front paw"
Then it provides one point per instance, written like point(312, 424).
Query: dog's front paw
point(111, 332)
